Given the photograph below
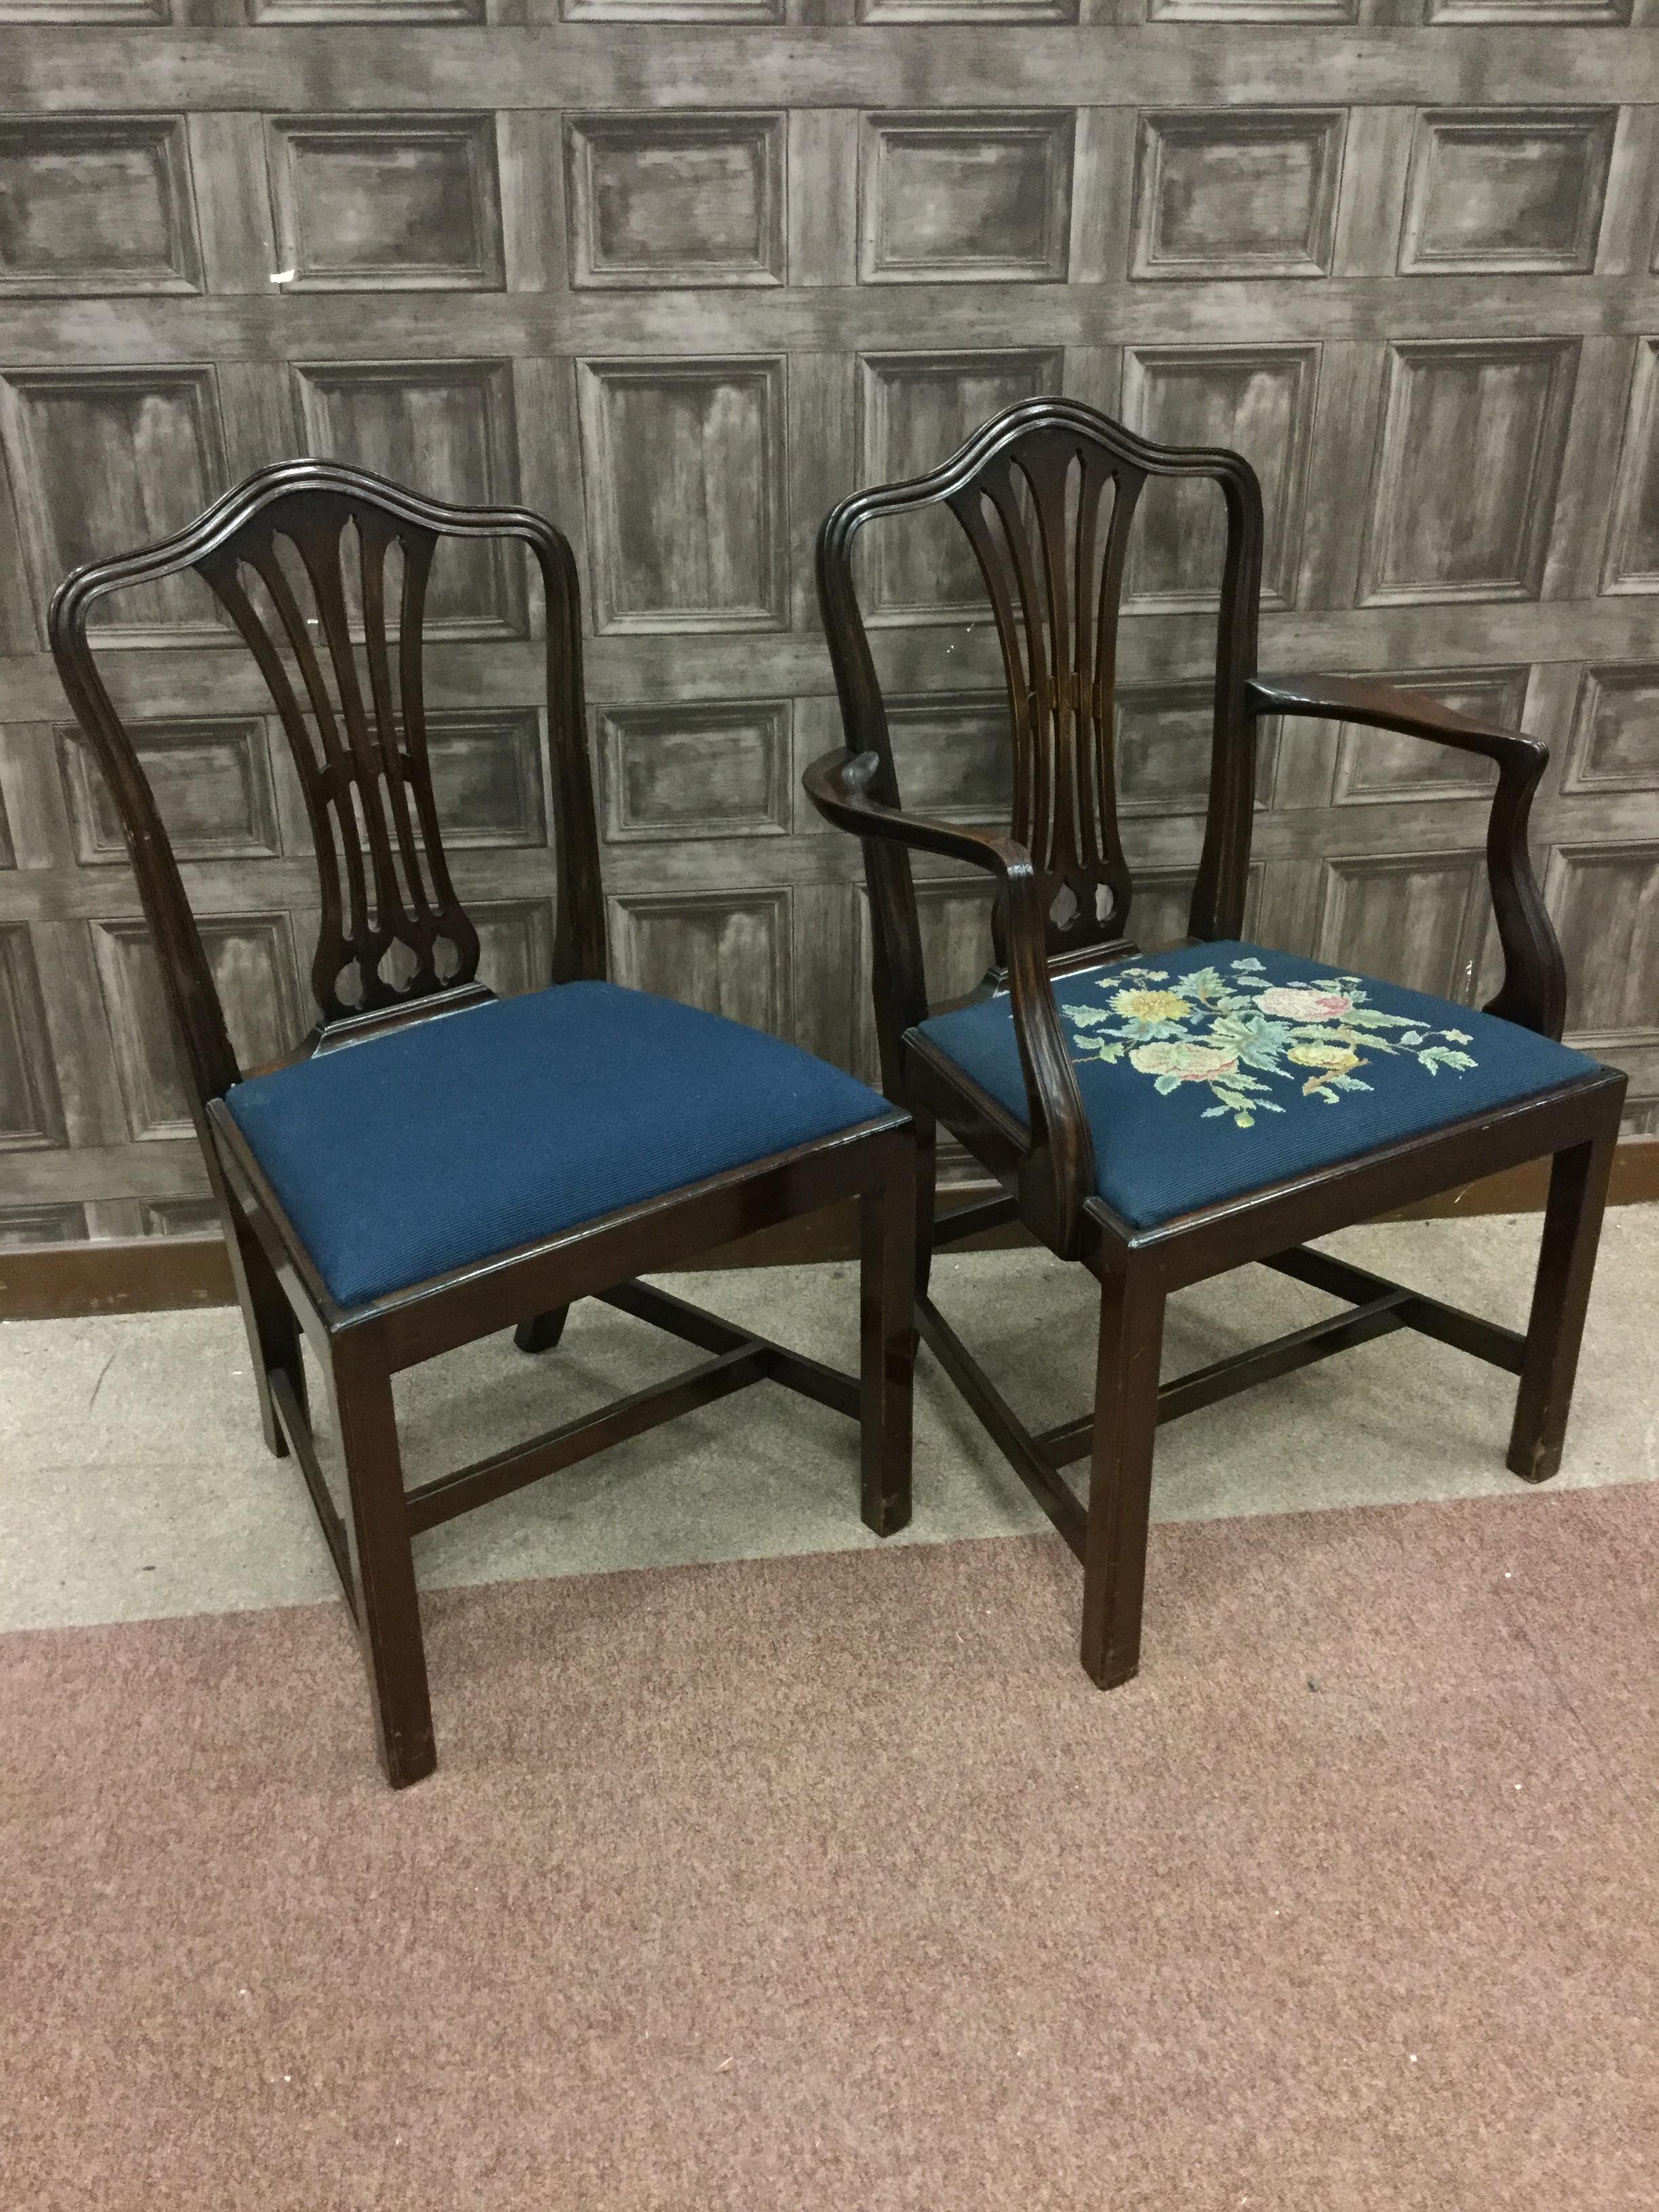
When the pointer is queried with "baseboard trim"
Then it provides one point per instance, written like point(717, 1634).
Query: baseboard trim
point(158, 1274)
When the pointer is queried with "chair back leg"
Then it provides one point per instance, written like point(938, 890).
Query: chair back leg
point(382, 1561)
point(1120, 1476)
point(887, 1338)
point(273, 1333)
point(1566, 1264)
point(542, 1331)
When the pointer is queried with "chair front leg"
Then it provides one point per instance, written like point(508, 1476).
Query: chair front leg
point(887, 1334)
point(1120, 1476)
point(1566, 1264)
point(382, 1561)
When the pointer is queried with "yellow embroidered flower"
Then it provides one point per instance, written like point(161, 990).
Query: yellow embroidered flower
point(1151, 1006)
point(1187, 1061)
point(1335, 1059)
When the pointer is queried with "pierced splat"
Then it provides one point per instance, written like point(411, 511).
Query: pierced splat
point(393, 930)
point(324, 569)
point(1047, 494)
point(1049, 521)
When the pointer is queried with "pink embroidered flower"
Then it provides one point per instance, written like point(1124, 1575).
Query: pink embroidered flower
point(1289, 1002)
point(1188, 1062)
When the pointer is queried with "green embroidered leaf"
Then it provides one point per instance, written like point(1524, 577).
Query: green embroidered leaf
point(1434, 1057)
point(1086, 1017)
point(1254, 966)
point(1164, 1084)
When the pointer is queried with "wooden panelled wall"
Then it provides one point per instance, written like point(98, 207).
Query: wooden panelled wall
point(680, 272)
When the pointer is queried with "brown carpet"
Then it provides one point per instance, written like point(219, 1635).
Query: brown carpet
point(829, 1882)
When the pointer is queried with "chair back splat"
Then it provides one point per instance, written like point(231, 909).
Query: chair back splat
point(1047, 494)
point(324, 569)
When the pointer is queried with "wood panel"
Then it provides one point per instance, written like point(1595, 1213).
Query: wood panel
point(1224, 195)
point(386, 202)
point(669, 200)
point(96, 204)
point(965, 197)
point(687, 521)
point(680, 272)
point(1471, 442)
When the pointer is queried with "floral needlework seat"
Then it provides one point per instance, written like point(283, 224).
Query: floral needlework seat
point(1221, 1069)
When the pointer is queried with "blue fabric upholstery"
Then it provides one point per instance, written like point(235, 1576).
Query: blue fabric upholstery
point(1222, 1068)
point(441, 1143)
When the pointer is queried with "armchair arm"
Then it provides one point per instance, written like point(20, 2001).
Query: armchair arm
point(1534, 989)
point(1058, 1171)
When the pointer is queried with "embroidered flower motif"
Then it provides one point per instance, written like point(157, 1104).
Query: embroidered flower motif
point(1183, 1061)
point(1338, 1058)
point(1151, 1006)
point(1291, 1002)
point(1231, 1030)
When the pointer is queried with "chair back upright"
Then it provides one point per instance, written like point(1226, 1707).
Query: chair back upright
point(322, 570)
point(1048, 492)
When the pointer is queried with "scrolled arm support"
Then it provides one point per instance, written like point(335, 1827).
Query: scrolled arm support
point(1534, 989)
point(1058, 1171)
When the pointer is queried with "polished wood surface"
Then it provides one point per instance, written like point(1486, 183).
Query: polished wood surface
point(1030, 490)
point(300, 558)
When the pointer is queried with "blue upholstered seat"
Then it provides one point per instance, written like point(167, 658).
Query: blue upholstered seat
point(457, 1138)
point(1225, 1067)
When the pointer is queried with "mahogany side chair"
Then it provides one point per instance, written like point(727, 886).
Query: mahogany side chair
point(434, 1164)
point(1164, 1117)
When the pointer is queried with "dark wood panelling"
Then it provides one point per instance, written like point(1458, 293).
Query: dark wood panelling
point(667, 200)
point(1633, 551)
point(1464, 491)
point(681, 272)
point(516, 943)
point(1163, 737)
point(1522, 190)
point(212, 781)
point(1416, 919)
point(1606, 902)
point(96, 204)
point(727, 952)
point(954, 755)
point(965, 197)
point(102, 457)
point(1376, 764)
point(914, 409)
point(30, 1112)
point(715, 771)
point(386, 202)
point(684, 465)
point(1615, 732)
point(448, 427)
point(54, 1221)
point(486, 777)
point(1259, 400)
point(251, 956)
point(1224, 194)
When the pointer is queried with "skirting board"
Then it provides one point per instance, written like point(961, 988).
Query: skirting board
point(50, 1282)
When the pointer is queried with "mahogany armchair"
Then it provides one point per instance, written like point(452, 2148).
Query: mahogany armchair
point(1163, 1119)
point(434, 1164)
